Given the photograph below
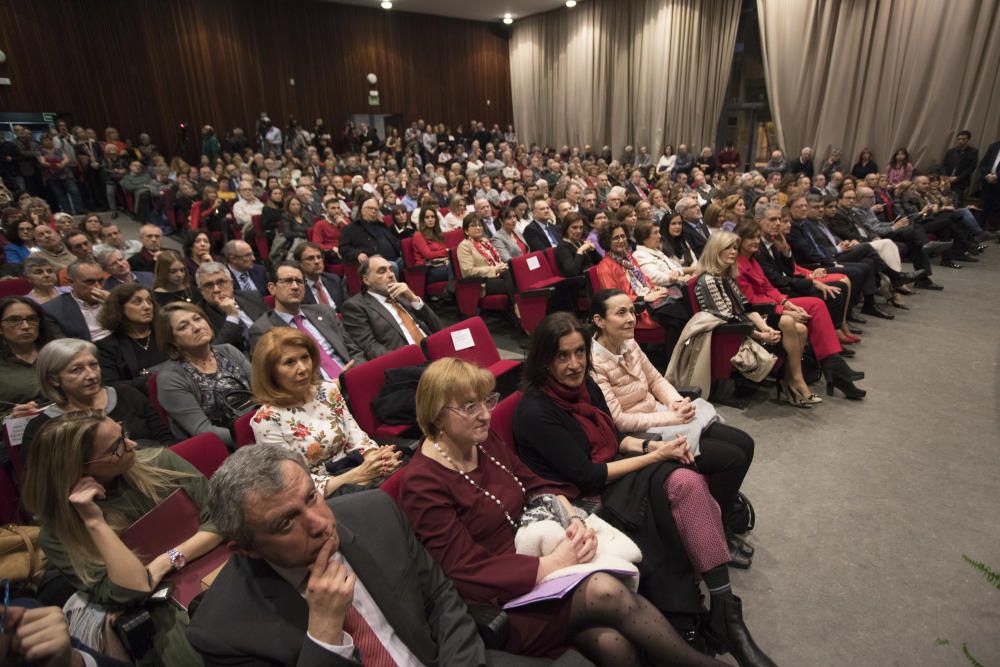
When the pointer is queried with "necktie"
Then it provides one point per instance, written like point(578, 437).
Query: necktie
point(245, 283)
point(815, 244)
point(411, 327)
point(326, 362)
point(373, 653)
point(320, 291)
point(553, 239)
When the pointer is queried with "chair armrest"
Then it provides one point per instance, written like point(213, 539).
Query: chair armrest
point(738, 328)
point(492, 623)
point(542, 291)
point(689, 392)
point(401, 442)
point(765, 309)
point(472, 280)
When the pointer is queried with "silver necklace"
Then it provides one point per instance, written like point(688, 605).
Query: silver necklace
point(473, 482)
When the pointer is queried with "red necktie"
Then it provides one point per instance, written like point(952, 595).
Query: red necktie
point(373, 653)
point(321, 292)
point(326, 362)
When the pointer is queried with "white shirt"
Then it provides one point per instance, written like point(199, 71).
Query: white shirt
point(417, 305)
point(996, 164)
point(315, 286)
point(240, 317)
point(244, 210)
point(89, 312)
point(365, 604)
point(451, 222)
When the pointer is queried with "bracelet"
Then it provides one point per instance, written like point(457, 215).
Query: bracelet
point(645, 446)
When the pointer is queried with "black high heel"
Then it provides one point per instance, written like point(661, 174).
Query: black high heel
point(726, 632)
point(839, 376)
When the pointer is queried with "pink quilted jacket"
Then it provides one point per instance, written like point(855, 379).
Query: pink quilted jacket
point(632, 387)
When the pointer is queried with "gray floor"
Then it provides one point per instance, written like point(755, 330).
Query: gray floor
point(866, 508)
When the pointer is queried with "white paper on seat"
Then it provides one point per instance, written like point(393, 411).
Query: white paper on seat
point(15, 429)
point(532, 263)
point(462, 339)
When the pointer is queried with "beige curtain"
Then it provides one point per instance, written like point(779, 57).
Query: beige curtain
point(617, 72)
point(883, 74)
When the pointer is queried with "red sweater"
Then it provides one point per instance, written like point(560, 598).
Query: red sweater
point(426, 250)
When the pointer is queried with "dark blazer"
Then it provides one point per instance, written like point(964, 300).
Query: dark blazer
point(844, 227)
point(571, 263)
point(377, 331)
point(334, 285)
point(252, 616)
point(797, 166)
point(250, 303)
point(780, 270)
point(144, 278)
point(324, 318)
point(258, 274)
point(694, 236)
point(65, 318)
point(960, 163)
point(119, 364)
point(370, 239)
point(142, 261)
point(988, 159)
point(804, 251)
point(536, 238)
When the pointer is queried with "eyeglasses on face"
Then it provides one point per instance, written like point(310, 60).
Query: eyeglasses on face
point(471, 409)
point(221, 282)
point(290, 281)
point(17, 320)
point(118, 448)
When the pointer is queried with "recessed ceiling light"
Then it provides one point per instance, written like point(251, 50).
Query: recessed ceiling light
point(388, 5)
point(571, 3)
point(508, 20)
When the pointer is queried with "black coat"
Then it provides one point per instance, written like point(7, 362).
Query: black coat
point(370, 238)
point(237, 335)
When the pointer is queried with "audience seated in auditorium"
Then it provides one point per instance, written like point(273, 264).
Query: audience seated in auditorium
point(20, 233)
point(119, 272)
point(542, 232)
point(24, 330)
point(479, 258)
point(150, 236)
point(386, 315)
point(348, 554)
point(75, 313)
point(326, 230)
point(459, 472)
point(230, 312)
point(619, 270)
point(696, 232)
point(202, 385)
point(924, 207)
point(661, 269)
point(131, 352)
point(320, 322)
point(51, 246)
point(111, 237)
point(321, 286)
point(246, 274)
point(86, 482)
point(564, 433)
point(507, 240)
point(197, 251)
point(367, 236)
point(69, 375)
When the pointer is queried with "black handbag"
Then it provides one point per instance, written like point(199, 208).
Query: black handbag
point(742, 518)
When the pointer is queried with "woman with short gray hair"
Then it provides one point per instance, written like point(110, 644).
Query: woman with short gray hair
point(69, 375)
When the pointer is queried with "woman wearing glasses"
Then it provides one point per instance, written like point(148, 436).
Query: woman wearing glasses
point(69, 375)
point(86, 483)
point(301, 411)
point(619, 270)
point(24, 331)
point(465, 490)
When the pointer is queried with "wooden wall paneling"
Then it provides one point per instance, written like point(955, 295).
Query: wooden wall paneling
point(143, 65)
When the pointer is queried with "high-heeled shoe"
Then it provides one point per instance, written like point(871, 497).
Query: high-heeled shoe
point(726, 632)
point(839, 376)
point(789, 396)
point(847, 339)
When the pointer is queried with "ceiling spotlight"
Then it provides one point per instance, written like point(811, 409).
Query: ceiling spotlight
point(388, 5)
point(508, 19)
point(571, 3)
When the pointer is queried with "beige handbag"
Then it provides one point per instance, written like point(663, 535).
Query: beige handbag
point(752, 360)
point(20, 556)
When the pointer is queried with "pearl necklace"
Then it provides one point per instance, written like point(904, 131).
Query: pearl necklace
point(471, 481)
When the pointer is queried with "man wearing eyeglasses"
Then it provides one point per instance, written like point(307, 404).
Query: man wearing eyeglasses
point(230, 312)
point(245, 273)
point(337, 350)
point(75, 314)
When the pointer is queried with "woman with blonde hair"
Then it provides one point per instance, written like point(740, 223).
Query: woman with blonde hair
point(171, 280)
point(299, 410)
point(86, 483)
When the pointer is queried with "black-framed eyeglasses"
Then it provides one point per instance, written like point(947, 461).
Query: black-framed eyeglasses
point(471, 409)
point(17, 320)
point(221, 282)
point(290, 281)
point(118, 449)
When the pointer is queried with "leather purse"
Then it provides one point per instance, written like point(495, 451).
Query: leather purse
point(21, 559)
point(753, 360)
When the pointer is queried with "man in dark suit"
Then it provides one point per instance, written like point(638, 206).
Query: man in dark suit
point(150, 236)
point(321, 287)
point(387, 315)
point(958, 166)
point(74, 314)
point(231, 313)
point(695, 231)
point(118, 270)
point(315, 582)
point(803, 164)
point(989, 169)
point(370, 236)
point(245, 273)
point(337, 349)
point(541, 233)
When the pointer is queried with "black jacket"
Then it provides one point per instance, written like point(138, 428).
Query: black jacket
point(370, 238)
point(960, 163)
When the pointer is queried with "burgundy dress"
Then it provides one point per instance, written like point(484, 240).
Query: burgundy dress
point(468, 534)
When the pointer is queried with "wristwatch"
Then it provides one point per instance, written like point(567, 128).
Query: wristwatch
point(645, 446)
point(177, 559)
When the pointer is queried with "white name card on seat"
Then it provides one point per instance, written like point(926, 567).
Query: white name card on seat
point(15, 429)
point(462, 339)
point(532, 263)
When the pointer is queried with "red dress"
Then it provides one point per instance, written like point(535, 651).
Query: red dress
point(758, 289)
point(467, 533)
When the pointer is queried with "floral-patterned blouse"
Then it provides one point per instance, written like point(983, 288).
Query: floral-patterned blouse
point(321, 430)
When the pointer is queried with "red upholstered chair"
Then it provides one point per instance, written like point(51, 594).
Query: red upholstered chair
point(154, 398)
point(363, 383)
point(657, 336)
point(194, 222)
point(536, 283)
point(393, 484)
point(168, 208)
point(14, 287)
point(352, 279)
point(415, 275)
point(129, 200)
point(260, 239)
point(205, 451)
point(502, 422)
point(467, 292)
point(243, 431)
point(269, 301)
point(10, 502)
point(453, 238)
point(726, 340)
point(483, 351)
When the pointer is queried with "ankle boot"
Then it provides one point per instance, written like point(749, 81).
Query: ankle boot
point(839, 375)
point(728, 633)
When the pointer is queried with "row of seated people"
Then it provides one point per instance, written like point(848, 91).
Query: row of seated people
point(569, 430)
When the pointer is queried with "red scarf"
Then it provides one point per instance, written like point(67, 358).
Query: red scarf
point(596, 424)
point(488, 252)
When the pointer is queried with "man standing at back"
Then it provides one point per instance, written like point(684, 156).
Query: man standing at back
point(958, 166)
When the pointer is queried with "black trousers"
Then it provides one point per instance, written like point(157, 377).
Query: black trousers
point(862, 277)
point(913, 237)
point(725, 457)
point(948, 228)
point(503, 284)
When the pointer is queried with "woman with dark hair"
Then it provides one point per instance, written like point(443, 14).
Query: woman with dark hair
point(619, 270)
point(574, 254)
point(661, 269)
point(171, 280)
point(900, 168)
point(197, 251)
point(508, 242)
point(650, 490)
point(20, 233)
point(216, 216)
point(23, 332)
point(400, 224)
point(675, 245)
point(294, 224)
point(428, 246)
point(273, 212)
point(130, 353)
point(91, 225)
point(478, 258)
point(865, 165)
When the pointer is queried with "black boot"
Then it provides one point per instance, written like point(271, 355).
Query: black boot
point(839, 375)
point(727, 633)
